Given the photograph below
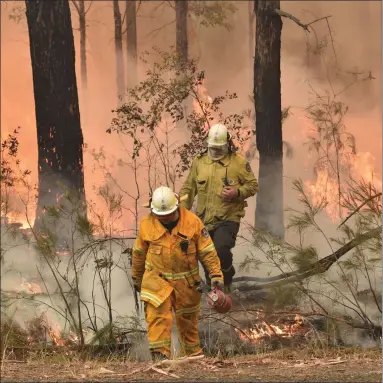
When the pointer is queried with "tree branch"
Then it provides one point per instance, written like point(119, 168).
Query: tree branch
point(317, 268)
point(359, 207)
point(75, 4)
point(291, 17)
point(298, 22)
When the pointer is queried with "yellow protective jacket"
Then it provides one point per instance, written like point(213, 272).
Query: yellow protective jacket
point(158, 260)
point(206, 180)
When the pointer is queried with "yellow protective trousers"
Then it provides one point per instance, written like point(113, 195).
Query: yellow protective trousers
point(184, 301)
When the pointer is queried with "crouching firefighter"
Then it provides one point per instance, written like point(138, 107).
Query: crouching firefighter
point(165, 270)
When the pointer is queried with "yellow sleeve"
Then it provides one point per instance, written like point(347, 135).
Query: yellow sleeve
point(139, 251)
point(190, 186)
point(249, 184)
point(207, 252)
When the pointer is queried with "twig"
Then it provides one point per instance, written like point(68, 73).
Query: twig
point(181, 360)
point(317, 268)
point(359, 207)
point(332, 40)
point(316, 20)
point(164, 372)
point(293, 18)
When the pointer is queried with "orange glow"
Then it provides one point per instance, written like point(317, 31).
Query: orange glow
point(204, 106)
point(263, 331)
point(31, 288)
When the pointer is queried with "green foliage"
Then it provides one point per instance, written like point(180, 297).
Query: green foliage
point(303, 220)
point(213, 13)
point(284, 297)
point(84, 226)
point(304, 257)
point(358, 268)
point(11, 174)
point(157, 105)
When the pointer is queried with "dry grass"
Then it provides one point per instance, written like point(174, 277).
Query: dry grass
point(282, 365)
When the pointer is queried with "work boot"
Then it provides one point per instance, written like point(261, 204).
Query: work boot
point(227, 289)
point(158, 356)
point(228, 277)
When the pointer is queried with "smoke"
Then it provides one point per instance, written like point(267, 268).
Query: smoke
point(224, 55)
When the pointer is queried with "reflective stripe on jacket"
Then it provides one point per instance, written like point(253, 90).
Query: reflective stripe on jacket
point(159, 261)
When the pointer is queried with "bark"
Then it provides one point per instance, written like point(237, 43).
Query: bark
point(131, 43)
point(182, 50)
point(181, 29)
point(251, 36)
point(267, 97)
point(59, 135)
point(82, 22)
point(118, 50)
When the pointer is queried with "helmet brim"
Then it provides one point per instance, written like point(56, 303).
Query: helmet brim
point(166, 212)
point(215, 145)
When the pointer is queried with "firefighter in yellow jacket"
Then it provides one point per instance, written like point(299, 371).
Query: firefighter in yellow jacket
point(170, 243)
point(222, 181)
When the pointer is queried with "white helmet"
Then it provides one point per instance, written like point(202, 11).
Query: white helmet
point(164, 201)
point(217, 135)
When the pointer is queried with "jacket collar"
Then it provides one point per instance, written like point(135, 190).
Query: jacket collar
point(225, 161)
point(183, 228)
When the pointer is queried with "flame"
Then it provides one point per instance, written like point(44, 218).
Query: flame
point(205, 105)
point(45, 321)
point(13, 218)
point(264, 330)
point(31, 288)
point(54, 333)
point(326, 186)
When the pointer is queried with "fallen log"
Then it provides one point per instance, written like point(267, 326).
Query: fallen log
point(319, 267)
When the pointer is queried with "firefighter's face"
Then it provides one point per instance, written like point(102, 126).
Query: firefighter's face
point(168, 218)
point(218, 152)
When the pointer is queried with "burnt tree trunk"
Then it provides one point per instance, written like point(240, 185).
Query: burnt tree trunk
point(181, 29)
point(80, 9)
point(182, 48)
point(131, 43)
point(118, 50)
point(82, 23)
point(251, 11)
point(267, 97)
point(59, 135)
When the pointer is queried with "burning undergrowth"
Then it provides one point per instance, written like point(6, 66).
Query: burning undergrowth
point(235, 333)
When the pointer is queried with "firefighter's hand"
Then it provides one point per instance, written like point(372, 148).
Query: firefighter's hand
point(228, 193)
point(217, 283)
point(137, 288)
point(137, 285)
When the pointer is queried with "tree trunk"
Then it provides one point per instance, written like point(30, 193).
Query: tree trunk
point(118, 51)
point(251, 11)
point(131, 42)
point(59, 135)
point(82, 22)
point(267, 96)
point(182, 50)
point(181, 29)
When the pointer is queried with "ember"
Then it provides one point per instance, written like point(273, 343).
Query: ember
point(264, 330)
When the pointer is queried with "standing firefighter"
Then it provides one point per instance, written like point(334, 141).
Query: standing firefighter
point(165, 258)
point(223, 180)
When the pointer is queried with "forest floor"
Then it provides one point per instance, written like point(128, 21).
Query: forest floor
point(336, 365)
